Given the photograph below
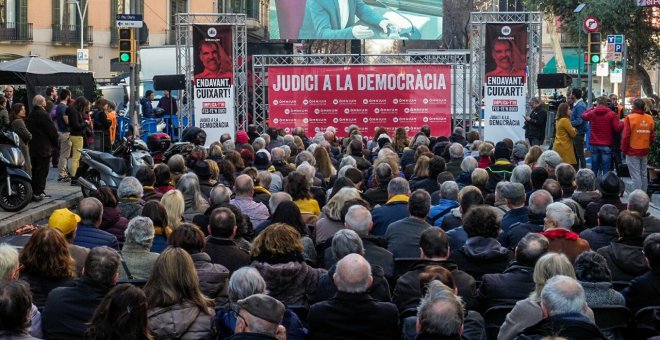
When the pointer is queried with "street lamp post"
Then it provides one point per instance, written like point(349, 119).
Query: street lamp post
point(81, 14)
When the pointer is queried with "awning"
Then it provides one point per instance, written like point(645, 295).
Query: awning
point(572, 60)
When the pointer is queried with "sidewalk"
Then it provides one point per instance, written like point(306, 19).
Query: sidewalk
point(64, 196)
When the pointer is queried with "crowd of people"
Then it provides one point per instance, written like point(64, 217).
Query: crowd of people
point(275, 236)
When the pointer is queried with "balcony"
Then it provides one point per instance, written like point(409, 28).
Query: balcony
point(70, 34)
point(16, 32)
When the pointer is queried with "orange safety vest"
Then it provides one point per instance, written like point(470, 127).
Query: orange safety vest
point(112, 117)
point(641, 127)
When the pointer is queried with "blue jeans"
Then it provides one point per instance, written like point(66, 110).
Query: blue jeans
point(601, 156)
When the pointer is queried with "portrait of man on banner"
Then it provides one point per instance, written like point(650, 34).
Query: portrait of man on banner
point(506, 50)
point(212, 51)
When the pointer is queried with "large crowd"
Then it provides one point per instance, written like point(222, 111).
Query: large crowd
point(276, 236)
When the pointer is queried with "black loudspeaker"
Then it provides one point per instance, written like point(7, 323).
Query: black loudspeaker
point(553, 80)
point(170, 82)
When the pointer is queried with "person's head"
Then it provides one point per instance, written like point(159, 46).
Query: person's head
point(358, 219)
point(449, 190)
point(245, 282)
point(276, 199)
point(288, 213)
point(441, 313)
point(592, 267)
point(539, 201)
point(156, 212)
point(8, 262)
point(558, 216)
point(456, 151)
point(17, 111)
point(468, 197)
point(533, 155)
point(547, 266)
point(585, 180)
point(140, 232)
point(398, 186)
point(46, 255)
point(502, 53)
point(652, 250)
point(383, 173)
point(213, 56)
point(530, 249)
point(346, 241)
point(162, 174)
point(514, 194)
point(639, 201)
point(102, 265)
point(244, 186)
point(175, 205)
point(552, 186)
point(297, 186)
point(333, 208)
point(419, 203)
point(607, 215)
point(435, 273)
point(121, 314)
point(220, 194)
point(130, 187)
point(40, 101)
point(222, 223)
point(629, 224)
point(522, 174)
point(106, 196)
point(90, 210)
point(562, 111)
point(260, 314)
point(565, 174)
point(173, 280)
point(64, 95)
point(434, 244)
point(481, 221)
point(278, 239)
point(549, 160)
point(176, 164)
point(188, 237)
point(479, 177)
point(353, 274)
point(305, 156)
point(469, 164)
point(149, 94)
point(576, 93)
point(65, 221)
point(15, 307)
point(563, 294)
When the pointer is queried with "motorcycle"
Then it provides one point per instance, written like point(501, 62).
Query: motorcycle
point(105, 169)
point(16, 185)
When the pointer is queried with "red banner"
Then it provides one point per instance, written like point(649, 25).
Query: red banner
point(315, 97)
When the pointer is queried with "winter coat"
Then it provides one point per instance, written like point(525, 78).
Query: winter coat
point(625, 259)
point(113, 222)
point(395, 209)
point(212, 276)
point(603, 125)
point(438, 212)
point(89, 236)
point(181, 321)
point(591, 212)
point(40, 287)
point(290, 282)
point(403, 236)
point(585, 197)
point(225, 252)
point(44, 134)
point(326, 228)
point(18, 126)
point(129, 207)
point(563, 144)
point(377, 195)
point(507, 288)
point(566, 326)
point(191, 212)
point(426, 183)
point(326, 289)
point(481, 255)
point(517, 215)
point(517, 231)
point(566, 242)
point(139, 261)
point(454, 166)
point(600, 294)
point(600, 236)
point(651, 225)
point(644, 291)
point(535, 127)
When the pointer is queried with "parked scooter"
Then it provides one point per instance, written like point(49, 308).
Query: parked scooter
point(105, 169)
point(15, 183)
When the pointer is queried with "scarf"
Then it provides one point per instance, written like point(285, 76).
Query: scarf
point(560, 233)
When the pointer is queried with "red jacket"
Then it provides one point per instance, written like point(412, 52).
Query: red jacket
point(638, 134)
point(603, 125)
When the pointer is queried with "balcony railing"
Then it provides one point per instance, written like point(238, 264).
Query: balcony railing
point(16, 31)
point(70, 34)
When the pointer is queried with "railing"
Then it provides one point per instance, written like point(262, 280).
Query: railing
point(16, 31)
point(70, 34)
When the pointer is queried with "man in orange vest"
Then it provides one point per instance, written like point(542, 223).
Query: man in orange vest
point(638, 135)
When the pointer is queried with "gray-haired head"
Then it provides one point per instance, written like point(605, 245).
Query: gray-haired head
point(38, 100)
point(449, 190)
point(101, 265)
point(277, 154)
point(287, 151)
point(346, 241)
point(228, 145)
point(347, 160)
point(549, 159)
point(305, 156)
point(342, 171)
point(456, 151)
point(638, 201)
point(522, 174)
point(562, 294)
point(287, 140)
point(468, 164)
point(383, 173)
point(308, 170)
point(220, 194)
point(8, 261)
point(459, 131)
point(312, 147)
point(129, 187)
point(398, 186)
point(353, 274)
point(539, 201)
point(189, 186)
point(358, 219)
point(245, 282)
point(440, 313)
point(561, 214)
point(421, 140)
point(90, 210)
point(585, 180)
point(607, 215)
point(140, 231)
point(265, 179)
point(318, 138)
point(258, 144)
point(277, 198)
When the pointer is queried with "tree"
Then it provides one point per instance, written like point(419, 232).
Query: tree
point(616, 17)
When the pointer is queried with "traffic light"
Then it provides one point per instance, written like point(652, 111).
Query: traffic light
point(126, 46)
point(594, 47)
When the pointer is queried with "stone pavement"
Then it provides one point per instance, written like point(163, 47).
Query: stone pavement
point(63, 196)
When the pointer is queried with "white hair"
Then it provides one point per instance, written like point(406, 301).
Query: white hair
point(561, 214)
point(563, 294)
point(358, 219)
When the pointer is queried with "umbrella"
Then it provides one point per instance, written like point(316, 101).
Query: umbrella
point(35, 65)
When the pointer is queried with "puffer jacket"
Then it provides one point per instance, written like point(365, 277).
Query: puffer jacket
point(625, 259)
point(181, 321)
point(114, 223)
point(604, 124)
point(212, 276)
point(290, 282)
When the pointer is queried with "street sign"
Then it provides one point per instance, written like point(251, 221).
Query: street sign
point(614, 47)
point(82, 58)
point(602, 69)
point(647, 3)
point(616, 76)
point(591, 24)
point(129, 20)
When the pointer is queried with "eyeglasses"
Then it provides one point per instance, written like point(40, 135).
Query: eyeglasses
point(238, 315)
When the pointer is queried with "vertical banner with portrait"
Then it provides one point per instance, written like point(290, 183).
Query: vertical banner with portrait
point(213, 88)
point(505, 81)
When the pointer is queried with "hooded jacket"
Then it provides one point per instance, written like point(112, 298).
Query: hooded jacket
point(482, 255)
point(625, 259)
point(181, 321)
point(603, 125)
point(113, 222)
point(212, 276)
point(290, 282)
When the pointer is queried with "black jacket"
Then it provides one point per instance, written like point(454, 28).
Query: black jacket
point(407, 293)
point(591, 212)
point(374, 253)
point(600, 236)
point(44, 133)
point(535, 127)
point(326, 289)
point(507, 288)
point(625, 259)
point(481, 256)
point(225, 252)
point(644, 291)
point(569, 326)
point(377, 195)
point(516, 232)
point(426, 183)
point(69, 309)
point(353, 316)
